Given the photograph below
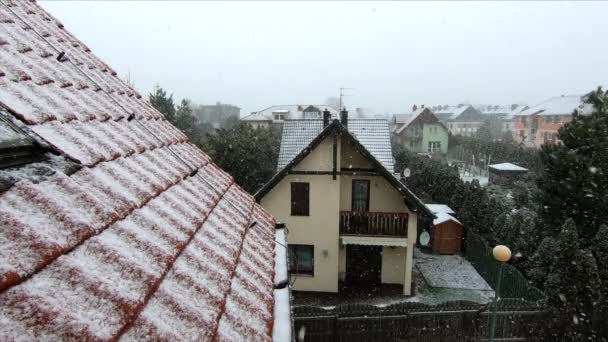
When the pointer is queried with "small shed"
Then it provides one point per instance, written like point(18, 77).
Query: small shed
point(505, 173)
point(447, 234)
point(447, 230)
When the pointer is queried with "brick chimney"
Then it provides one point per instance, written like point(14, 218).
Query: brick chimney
point(344, 117)
point(414, 108)
point(326, 118)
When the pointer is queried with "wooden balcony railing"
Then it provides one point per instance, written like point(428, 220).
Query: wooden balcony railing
point(373, 223)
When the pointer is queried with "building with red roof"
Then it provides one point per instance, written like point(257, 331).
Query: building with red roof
point(113, 226)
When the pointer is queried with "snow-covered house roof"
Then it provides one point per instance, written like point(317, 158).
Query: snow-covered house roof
point(294, 112)
point(371, 133)
point(444, 217)
point(147, 239)
point(503, 111)
point(419, 115)
point(367, 136)
point(466, 113)
point(507, 167)
point(440, 208)
point(559, 105)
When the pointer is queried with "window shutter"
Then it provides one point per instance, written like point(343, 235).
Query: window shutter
point(300, 199)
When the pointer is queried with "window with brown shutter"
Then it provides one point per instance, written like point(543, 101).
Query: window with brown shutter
point(300, 199)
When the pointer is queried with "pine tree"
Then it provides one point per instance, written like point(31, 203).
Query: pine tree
point(542, 260)
point(248, 154)
point(163, 103)
point(519, 230)
point(600, 252)
point(572, 286)
point(188, 123)
point(574, 183)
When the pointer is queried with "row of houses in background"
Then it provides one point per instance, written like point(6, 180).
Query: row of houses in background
point(276, 115)
point(425, 129)
point(539, 124)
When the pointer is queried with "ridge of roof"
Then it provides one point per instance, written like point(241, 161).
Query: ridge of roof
point(148, 239)
point(336, 126)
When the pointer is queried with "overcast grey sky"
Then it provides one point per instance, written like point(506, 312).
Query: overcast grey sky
point(256, 54)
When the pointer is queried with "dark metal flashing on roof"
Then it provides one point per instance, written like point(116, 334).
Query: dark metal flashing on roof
point(413, 202)
point(16, 146)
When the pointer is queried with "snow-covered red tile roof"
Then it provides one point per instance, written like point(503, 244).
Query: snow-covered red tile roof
point(149, 240)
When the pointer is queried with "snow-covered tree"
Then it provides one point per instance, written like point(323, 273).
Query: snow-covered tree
point(572, 287)
point(574, 183)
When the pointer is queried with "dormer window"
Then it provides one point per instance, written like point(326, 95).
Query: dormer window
point(311, 112)
point(280, 115)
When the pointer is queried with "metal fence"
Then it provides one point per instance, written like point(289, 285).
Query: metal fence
point(513, 285)
point(452, 321)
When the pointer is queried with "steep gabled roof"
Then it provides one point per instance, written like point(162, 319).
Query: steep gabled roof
point(424, 115)
point(373, 133)
point(466, 113)
point(148, 240)
point(335, 127)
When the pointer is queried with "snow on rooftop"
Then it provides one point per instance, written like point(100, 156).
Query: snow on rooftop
point(281, 330)
point(296, 112)
point(280, 256)
point(507, 167)
point(559, 105)
point(146, 238)
point(371, 133)
point(442, 217)
point(440, 208)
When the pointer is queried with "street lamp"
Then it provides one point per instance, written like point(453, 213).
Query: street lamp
point(502, 254)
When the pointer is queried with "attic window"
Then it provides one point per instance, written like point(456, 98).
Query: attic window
point(311, 112)
point(280, 115)
point(16, 147)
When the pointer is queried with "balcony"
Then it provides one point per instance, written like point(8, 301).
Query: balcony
point(373, 223)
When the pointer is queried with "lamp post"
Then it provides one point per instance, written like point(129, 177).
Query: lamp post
point(502, 254)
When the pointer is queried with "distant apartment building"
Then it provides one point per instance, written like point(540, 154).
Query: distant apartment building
point(502, 114)
point(420, 131)
point(275, 116)
point(461, 119)
point(540, 123)
point(466, 120)
point(218, 113)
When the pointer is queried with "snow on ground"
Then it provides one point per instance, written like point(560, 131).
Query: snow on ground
point(449, 271)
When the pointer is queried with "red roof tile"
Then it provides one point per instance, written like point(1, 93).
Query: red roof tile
point(149, 240)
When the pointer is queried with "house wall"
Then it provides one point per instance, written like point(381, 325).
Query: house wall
point(393, 265)
point(349, 158)
point(539, 129)
point(426, 133)
point(435, 132)
point(321, 228)
point(383, 197)
point(466, 128)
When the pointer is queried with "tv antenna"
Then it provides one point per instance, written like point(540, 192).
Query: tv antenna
point(343, 95)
